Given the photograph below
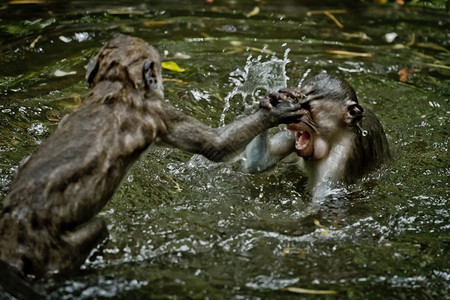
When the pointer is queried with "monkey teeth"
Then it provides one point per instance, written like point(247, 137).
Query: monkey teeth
point(301, 140)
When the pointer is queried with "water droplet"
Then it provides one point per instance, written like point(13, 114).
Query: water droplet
point(130, 178)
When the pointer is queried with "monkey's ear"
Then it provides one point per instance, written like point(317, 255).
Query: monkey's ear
point(150, 75)
point(353, 114)
point(91, 70)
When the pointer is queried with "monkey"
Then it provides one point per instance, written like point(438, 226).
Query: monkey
point(49, 221)
point(336, 140)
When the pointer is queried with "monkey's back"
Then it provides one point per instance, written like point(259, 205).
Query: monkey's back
point(370, 151)
point(72, 174)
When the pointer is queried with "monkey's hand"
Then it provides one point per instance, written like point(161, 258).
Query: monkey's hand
point(282, 112)
point(282, 106)
point(282, 95)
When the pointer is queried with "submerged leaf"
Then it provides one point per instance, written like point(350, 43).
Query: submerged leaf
point(53, 115)
point(158, 23)
point(432, 46)
point(301, 253)
point(172, 66)
point(177, 185)
point(125, 11)
point(26, 2)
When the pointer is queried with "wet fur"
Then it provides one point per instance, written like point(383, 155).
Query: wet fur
point(333, 119)
point(48, 221)
point(352, 155)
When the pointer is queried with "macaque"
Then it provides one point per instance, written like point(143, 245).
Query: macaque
point(336, 139)
point(49, 220)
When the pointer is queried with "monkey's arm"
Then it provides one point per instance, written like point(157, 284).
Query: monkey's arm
point(220, 144)
point(264, 152)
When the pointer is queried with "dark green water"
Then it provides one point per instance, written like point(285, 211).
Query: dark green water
point(182, 227)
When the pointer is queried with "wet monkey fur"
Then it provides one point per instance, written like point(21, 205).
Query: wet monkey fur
point(336, 140)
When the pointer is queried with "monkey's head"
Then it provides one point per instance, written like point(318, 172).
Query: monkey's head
point(330, 112)
point(129, 60)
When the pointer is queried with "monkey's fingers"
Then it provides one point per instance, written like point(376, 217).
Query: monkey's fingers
point(274, 98)
point(265, 103)
point(277, 96)
point(294, 116)
point(288, 112)
point(292, 93)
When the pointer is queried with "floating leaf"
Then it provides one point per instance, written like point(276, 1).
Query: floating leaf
point(254, 12)
point(356, 35)
point(350, 53)
point(297, 290)
point(60, 73)
point(329, 13)
point(390, 36)
point(33, 44)
point(324, 230)
point(317, 223)
point(172, 66)
point(335, 20)
point(175, 80)
point(403, 75)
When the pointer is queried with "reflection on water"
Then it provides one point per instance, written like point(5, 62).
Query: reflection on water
point(182, 227)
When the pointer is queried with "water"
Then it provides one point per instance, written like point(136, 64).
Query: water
point(182, 227)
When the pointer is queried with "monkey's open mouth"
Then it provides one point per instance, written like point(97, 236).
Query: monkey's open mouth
point(302, 139)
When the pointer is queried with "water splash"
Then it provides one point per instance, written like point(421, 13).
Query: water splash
point(256, 79)
point(305, 74)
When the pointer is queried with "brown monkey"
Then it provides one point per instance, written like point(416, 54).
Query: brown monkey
point(336, 138)
point(48, 223)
